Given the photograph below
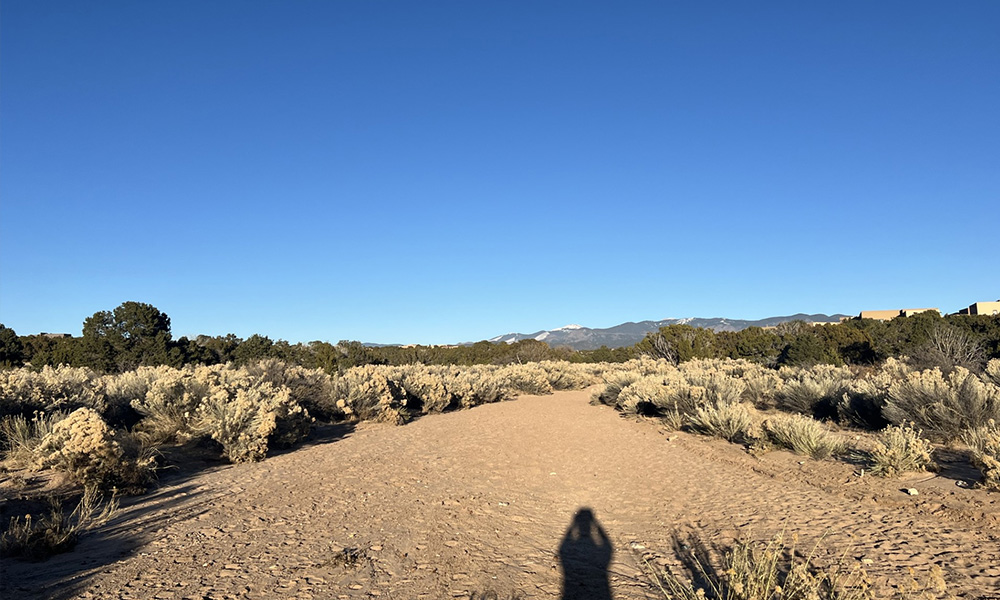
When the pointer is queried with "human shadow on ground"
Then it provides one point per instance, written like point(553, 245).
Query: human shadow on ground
point(585, 554)
point(177, 496)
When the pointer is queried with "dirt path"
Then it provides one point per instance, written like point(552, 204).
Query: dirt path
point(476, 501)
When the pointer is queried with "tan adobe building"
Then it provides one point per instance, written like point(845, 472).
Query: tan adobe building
point(886, 315)
point(982, 308)
point(879, 315)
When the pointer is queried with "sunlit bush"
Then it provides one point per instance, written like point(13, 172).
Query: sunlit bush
point(479, 385)
point(568, 376)
point(23, 391)
point(426, 391)
point(992, 372)
point(247, 416)
point(121, 392)
point(614, 383)
point(527, 379)
point(169, 405)
point(900, 449)
point(95, 455)
point(366, 393)
point(312, 389)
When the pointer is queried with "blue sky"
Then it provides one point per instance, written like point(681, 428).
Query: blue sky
point(438, 172)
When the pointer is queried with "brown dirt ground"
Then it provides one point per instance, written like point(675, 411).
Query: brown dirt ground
point(477, 502)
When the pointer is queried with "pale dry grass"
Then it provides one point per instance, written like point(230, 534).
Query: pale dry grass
point(777, 570)
point(22, 437)
point(735, 422)
point(803, 435)
point(56, 531)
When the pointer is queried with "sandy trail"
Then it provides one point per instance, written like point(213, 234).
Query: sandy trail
point(468, 502)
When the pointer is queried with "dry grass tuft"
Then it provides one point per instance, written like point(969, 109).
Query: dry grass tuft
point(22, 437)
point(736, 422)
point(803, 435)
point(775, 570)
point(56, 531)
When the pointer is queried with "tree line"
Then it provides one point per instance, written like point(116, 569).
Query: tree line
point(136, 334)
point(926, 339)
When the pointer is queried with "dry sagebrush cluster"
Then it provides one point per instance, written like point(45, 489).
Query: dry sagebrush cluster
point(736, 400)
point(103, 430)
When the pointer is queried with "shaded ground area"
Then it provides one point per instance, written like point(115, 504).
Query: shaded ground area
point(546, 497)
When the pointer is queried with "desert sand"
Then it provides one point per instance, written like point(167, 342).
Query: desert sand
point(480, 502)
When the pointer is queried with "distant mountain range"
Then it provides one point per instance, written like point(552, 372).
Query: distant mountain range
point(578, 337)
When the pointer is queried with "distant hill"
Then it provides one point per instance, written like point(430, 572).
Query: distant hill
point(578, 337)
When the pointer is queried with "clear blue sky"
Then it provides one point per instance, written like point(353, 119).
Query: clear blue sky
point(438, 172)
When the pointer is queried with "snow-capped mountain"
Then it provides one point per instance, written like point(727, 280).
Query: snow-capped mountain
point(628, 334)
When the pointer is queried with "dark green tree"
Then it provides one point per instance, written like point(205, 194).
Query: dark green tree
point(132, 335)
point(753, 343)
point(807, 349)
point(355, 354)
point(11, 348)
point(218, 349)
point(255, 347)
point(679, 343)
